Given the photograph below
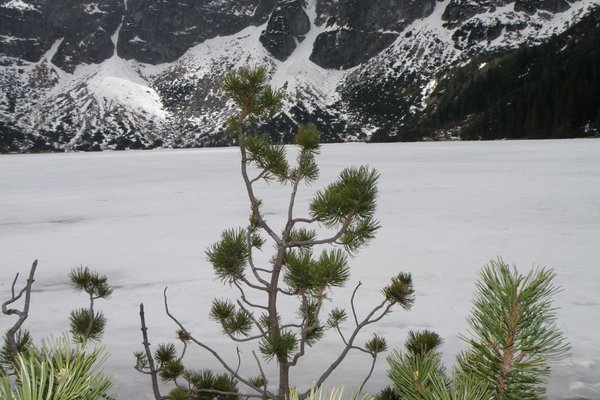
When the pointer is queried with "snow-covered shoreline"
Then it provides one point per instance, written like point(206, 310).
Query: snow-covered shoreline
point(145, 219)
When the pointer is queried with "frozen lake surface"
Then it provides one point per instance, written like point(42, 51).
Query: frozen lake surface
point(146, 218)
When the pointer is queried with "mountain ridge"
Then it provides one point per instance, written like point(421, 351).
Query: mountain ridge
point(63, 99)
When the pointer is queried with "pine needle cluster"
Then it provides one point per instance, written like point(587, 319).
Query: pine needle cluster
point(513, 339)
point(87, 323)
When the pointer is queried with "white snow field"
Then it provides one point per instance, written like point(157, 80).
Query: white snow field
point(146, 218)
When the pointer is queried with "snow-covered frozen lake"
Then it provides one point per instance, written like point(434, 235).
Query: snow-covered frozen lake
point(145, 219)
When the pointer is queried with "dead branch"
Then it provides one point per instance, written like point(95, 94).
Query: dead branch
point(22, 314)
point(153, 371)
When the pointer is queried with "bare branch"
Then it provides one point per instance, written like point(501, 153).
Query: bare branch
point(350, 343)
point(244, 339)
point(259, 176)
point(12, 289)
point(290, 223)
point(262, 373)
point(337, 328)
point(251, 196)
point(352, 302)
point(22, 314)
point(153, 371)
point(210, 350)
point(237, 349)
point(252, 285)
point(287, 293)
point(362, 385)
point(268, 271)
point(304, 220)
point(251, 261)
point(88, 331)
point(291, 326)
point(306, 328)
point(330, 240)
point(185, 346)
point(361, 349)
point(383, 314)
point(243, 296)
point(256, 323)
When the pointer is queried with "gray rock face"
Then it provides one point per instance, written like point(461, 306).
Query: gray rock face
point(287, 23)
point(474, 31)
point(347, 48)
point(365, 27)
point(30, 29)
point(86, 28)
point(531, 6)
point(24, 32)
point(156, 31)
point(458, 11)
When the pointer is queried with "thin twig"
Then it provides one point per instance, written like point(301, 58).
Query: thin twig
point(260, 176)
point(337, 328)
point(251, 196)
point(243, 296)
point(262, 374)
point(350, 344)
point(253, 267)
point(237, 349)
point(213, 352)
point(304, 220)
point(244, 339)
point(362, 385)
point(352, 302)
point(256, 323)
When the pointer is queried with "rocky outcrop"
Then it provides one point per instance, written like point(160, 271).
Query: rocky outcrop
point(86, 29)
point(459, 11)
point(531, 6)
point(347, 48)
point(287, 25)
point(157, 31)
point(25, 31)
point(28, 30)
point(360, 29)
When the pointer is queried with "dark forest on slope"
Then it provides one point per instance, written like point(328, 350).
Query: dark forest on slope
point(547, 91)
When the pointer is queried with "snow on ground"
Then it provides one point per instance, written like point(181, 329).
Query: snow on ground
point(116, 83)
point(145, 219)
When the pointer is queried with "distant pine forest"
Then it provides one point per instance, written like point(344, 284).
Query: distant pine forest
point(541, 92)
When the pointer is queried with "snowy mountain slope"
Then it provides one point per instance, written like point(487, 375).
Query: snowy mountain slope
point(85, 81)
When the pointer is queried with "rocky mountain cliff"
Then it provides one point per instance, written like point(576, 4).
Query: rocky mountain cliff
point(114, 74)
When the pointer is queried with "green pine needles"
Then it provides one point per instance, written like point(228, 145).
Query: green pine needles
point(310, 255)
point(513, 338)
point(86, 323)
point(514, 333)
point(56, 371)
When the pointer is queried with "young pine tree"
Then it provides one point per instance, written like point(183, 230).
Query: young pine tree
point(86, 323)
point(514, 337)
point(310, 254)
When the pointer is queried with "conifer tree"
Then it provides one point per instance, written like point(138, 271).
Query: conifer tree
point(514, 337)
point(311, 255)
point(87, 323)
